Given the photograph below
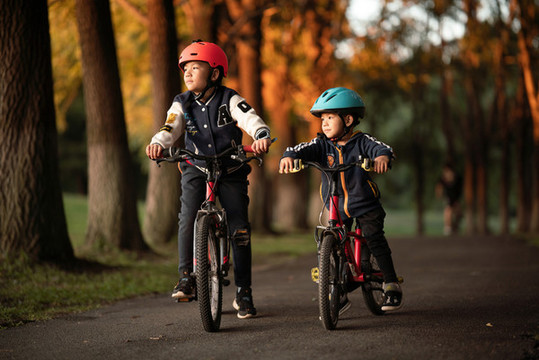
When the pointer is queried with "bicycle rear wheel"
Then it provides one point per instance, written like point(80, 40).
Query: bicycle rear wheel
point(208, 274)
point(372, 289)
point(329, 288)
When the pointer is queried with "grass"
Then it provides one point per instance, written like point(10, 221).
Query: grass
point(30, 291)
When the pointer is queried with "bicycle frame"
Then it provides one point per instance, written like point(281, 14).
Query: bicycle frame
point(210, 207)
point(352, 249)
point(344, 259)
point(211, 241)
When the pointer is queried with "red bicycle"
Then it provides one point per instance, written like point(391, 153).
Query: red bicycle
point(211, 252)
point(344, 259)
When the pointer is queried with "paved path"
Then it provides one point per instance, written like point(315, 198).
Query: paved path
point(465, 298)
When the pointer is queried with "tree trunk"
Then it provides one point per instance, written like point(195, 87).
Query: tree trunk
point(32, 217)
point(250, 87)
point(499, 115)
point(527, 17)
point(199, 14)
point(112, 211)
point(163, 191)
point(469, 124)
point(447, 120)
point(290, 202)
point(419, 172)
point(522, 154)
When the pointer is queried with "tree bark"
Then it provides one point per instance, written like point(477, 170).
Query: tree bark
point(112, 211)
point(499, 114)
point(163, 191)
point(522, 155)
point(32, 217)
point(290, 202)
point(250, 87)
point(527, 16)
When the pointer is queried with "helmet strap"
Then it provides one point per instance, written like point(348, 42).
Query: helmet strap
point(346, 130)
point(210, 84)
point(203, 92)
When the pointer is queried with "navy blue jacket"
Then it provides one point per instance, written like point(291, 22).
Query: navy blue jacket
point(210, 127)
point(358, 193)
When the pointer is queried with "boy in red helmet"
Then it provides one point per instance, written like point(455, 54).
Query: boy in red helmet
point(212, 116)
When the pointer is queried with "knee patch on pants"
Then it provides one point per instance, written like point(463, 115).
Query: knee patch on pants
point(241, 237)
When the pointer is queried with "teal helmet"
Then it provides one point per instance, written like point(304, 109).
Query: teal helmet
point(339, 100)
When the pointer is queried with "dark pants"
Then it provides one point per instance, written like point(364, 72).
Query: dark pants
point(232, 194)
point(372, 228)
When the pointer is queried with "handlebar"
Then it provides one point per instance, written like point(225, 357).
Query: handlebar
point(363, 162)
point(236, 152)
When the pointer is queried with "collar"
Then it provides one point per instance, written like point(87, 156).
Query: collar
point(199, 102)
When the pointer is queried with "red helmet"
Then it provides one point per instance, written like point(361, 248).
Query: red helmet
point(204, 51)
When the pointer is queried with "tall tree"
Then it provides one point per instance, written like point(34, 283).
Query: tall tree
point(499, 113)
point(247, 14)
point(112, 211)
point(290, 192)
point(474, 125)
point(163, 192)
point(32, 218)
point(527, 13)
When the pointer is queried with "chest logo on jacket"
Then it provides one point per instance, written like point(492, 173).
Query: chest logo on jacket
point(331, 160)
point(190, 126)
point(224, 116)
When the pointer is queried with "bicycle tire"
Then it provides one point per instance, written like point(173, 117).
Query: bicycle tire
point(329, 287)
point(373, 290)
point(208, 274)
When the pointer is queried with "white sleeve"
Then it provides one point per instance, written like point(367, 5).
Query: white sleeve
point(172, 129)
point(247, 118)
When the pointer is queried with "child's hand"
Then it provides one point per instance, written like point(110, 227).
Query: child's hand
point(381, 164)
point(286, 164)
point(154, 151)
point(261, 146)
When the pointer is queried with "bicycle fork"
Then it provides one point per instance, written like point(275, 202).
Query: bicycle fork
point(221, 233)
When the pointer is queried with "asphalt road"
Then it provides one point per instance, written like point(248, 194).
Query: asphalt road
point(465, 298)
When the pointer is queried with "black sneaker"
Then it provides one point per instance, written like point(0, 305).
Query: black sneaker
point(185, 288)
point(243, 303)
point(392, 297)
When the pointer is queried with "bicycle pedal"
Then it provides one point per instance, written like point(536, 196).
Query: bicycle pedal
point(187, 299)
point(315, 273)
point(401, 279)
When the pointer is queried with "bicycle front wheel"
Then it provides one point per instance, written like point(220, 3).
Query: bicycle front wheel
point(208, 274)
point(329, 288)
point(372, 289)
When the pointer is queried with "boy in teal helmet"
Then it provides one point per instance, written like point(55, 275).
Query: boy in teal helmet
point(340, 110)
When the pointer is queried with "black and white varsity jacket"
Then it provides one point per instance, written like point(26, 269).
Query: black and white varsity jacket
point(210, 127)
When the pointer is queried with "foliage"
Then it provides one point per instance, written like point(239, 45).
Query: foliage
point(395, 62)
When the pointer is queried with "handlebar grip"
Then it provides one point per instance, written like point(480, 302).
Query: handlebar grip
point(298, 166)
point(367, 165)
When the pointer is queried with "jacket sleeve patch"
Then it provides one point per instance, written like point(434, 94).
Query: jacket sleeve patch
point(170, 119)
point(244, 106)
point(166, 128)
